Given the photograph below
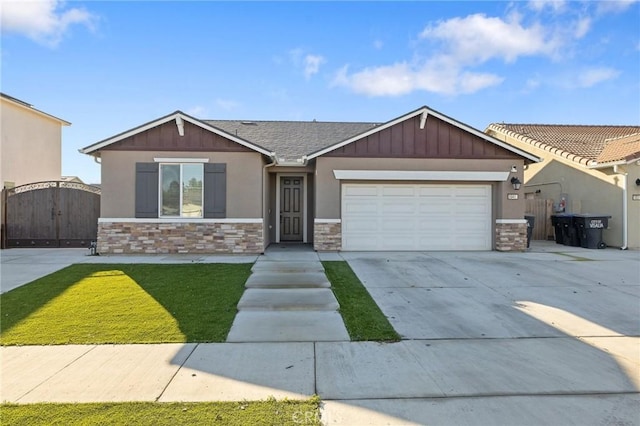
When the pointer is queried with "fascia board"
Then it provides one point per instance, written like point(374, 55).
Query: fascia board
point(421, 175)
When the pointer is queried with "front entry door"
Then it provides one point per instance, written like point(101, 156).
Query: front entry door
point(291, 208)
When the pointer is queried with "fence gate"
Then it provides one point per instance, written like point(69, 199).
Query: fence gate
point(542, 210)
point(51, 214)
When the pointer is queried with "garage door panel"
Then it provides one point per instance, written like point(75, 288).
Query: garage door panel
point(416, 217)
point(398, 191)
point(359, 190)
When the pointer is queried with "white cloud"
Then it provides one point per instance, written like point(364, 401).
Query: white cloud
point(614, 6)
point(465, 43)
point(593, 76)
point(312, 65)
point(402, 78)
point(45, 21)
point(554, 5)
point(583, 25)
point(309, 63)
point(478, 38)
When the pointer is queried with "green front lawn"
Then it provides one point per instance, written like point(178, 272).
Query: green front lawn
point(362, 316)
point(122, 303)
point(270, 412)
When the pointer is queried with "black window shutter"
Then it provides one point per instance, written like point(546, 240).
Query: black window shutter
point(215, 190)
point(146, 189)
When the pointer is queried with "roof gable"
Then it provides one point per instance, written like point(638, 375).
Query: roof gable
point(166, 134)
point(24, 105)
point(424, 133)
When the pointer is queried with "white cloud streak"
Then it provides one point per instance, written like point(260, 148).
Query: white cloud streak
point(44, 21)
point(593, 76)
point(312, 65)
point(464, 43)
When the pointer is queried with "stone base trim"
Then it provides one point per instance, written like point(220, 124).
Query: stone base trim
point(180, 237)
point(511, 235)
point(327, 236)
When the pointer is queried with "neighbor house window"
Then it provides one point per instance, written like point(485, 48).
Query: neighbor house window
point(181, 190)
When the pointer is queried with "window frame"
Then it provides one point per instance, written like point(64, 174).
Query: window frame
point(181, 164)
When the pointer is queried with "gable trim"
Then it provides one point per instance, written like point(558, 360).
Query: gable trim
point(177, 116)
point(425, 112)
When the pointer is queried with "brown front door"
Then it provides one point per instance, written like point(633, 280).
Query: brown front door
point(291, 208)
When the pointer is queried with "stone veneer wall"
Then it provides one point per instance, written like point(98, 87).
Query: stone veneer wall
point(179, 237)
point(327, 236)
point(511, 236)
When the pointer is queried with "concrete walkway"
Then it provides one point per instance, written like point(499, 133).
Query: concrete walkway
point(551, 336)
point(288, 299)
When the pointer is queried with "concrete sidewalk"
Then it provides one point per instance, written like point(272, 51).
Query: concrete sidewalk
point(421, 381)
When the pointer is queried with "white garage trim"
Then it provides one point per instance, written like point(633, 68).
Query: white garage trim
point(419, 175)
point(402, 216)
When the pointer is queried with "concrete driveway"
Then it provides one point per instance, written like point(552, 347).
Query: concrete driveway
point(550, 336)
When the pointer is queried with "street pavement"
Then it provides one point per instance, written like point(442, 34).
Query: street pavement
point(550, 336)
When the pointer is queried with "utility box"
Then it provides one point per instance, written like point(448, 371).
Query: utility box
point(589, 227)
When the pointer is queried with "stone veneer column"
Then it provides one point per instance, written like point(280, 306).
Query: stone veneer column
point(206, 237)
point(327, 235)
point(511, 235)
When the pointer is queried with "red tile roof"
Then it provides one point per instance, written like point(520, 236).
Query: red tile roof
point(583, 144)
point(626, 148)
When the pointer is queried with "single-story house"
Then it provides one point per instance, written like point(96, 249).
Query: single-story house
point(585, 169)
point(422, 181)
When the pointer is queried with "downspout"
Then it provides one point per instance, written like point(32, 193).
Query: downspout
point(625, 219)
point(265, 231)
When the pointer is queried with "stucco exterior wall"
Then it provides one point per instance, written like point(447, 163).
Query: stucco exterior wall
point(244, 180)
point(31, 146)
point(597, 191)
point(328, 195)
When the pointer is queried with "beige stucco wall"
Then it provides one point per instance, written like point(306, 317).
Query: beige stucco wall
point(597, 191)
point(328, 190)
point(244, 180)
point(30, 147)
point(633, 206)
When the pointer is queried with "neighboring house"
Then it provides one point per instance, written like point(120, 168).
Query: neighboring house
point(585, 169)
point(422, 181)
point(31, 144)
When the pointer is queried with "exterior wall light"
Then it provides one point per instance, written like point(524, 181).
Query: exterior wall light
point(638, 182)
point(516, 183)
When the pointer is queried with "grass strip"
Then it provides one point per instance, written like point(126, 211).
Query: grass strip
point(269, 412)
point(362, 316)
point(124, 303)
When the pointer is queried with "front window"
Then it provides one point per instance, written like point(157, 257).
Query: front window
point(181, 190)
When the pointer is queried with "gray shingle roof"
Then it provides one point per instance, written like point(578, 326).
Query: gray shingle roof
point(291, 139)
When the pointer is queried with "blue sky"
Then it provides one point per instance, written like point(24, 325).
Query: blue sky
point(110, 66)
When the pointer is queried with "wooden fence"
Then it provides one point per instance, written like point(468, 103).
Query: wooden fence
point(542, 210)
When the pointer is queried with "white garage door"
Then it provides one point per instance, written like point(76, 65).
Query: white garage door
point(416, 217)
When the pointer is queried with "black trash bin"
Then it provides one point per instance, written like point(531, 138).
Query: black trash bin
point(531, 221)
point(589, 227)
point(566, 232)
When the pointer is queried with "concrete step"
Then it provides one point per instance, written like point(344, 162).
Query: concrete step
point(287, 267)
point(275, 280)
point(299, 299)
point(288, 326)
